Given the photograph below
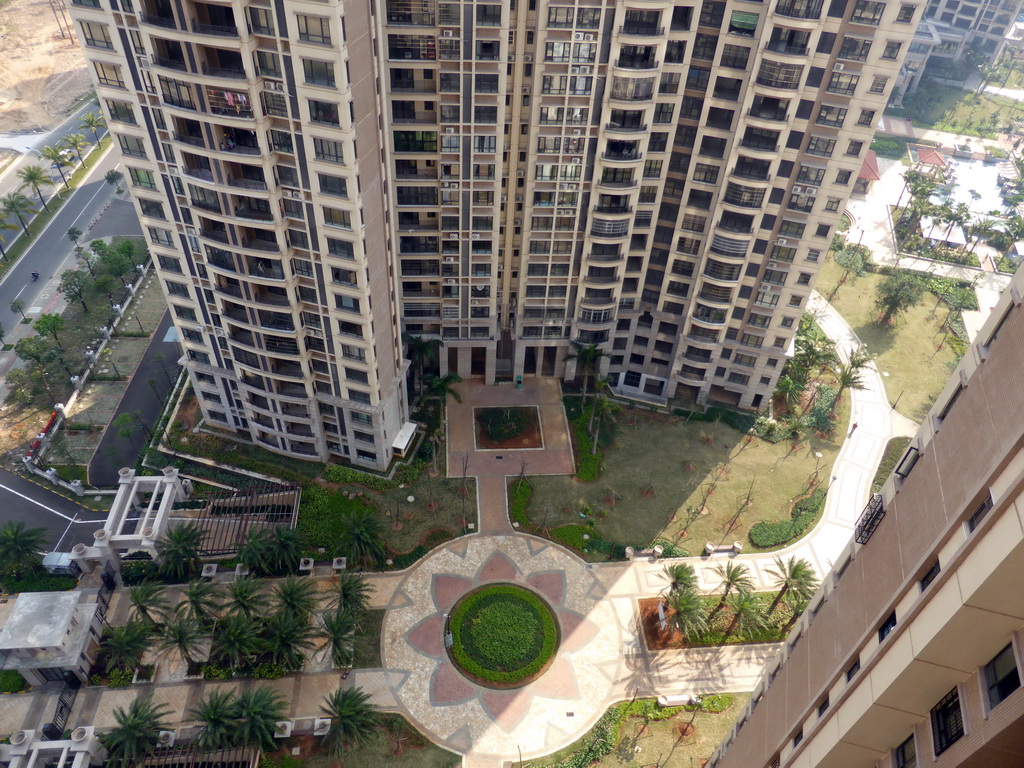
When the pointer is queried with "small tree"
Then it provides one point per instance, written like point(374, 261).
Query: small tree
point(73, 234)
point(58, 160)
point(19, 306)
point(17, 205)
point(897, 293)
point(114, 178)
point(735, 578)
point(50, 325)
point(76, 142)
point(137, 734)
point(73, 284)
point(35, 177)
point(353, 719)
point(795, 579)
point(92, 121)
point(851, 259)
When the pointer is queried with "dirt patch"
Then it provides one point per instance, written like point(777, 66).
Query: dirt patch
point(527, 423)
point(42, 75)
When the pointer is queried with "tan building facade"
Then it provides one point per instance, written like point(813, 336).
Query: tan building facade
point(910, 653)
point(316, 178)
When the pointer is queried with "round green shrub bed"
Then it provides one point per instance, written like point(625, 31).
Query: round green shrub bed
point(502, 635)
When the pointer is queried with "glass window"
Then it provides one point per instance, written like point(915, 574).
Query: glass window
point(314, 29)
point(1001, 676)
point(947, 722)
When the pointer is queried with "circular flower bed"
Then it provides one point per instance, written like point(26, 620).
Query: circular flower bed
point(503, 636)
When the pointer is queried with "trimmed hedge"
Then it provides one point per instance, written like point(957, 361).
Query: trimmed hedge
point(40, 582)
point(571, 535)
point(767, 535)
point(335, 473)
point(12, 682)
point(470, 657)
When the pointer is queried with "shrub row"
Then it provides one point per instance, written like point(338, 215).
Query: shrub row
point(549, 639)
point(519, 496)
point(572, 536)
point(765, 535)
point(820, 417)
point(335, 473)
point(588, 464)
point(12, 682)
point(40, 582)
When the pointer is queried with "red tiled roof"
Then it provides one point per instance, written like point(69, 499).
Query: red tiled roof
point(929, 156)
point(869, 170)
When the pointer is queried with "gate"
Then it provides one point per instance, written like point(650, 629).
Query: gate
point(54, 730)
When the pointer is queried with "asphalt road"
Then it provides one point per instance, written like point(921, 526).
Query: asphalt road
point(66, 522)
point(51, 252)
point(146, 393)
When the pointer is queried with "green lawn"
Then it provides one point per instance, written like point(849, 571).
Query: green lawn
point(395, 745)
point(944, 108)
point(645, 743)
point(675, 462)
point(894, 451)
point(913, 368)
point(367, 643)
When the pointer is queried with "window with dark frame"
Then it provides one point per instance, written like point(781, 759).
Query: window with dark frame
point(1001, 676)
point(905, 755)
point(887, 627)
point(947, 722)
point(930, 575)
point(975, 519)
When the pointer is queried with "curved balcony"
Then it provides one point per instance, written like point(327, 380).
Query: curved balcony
point(775, 87)
point(786, 49)
point(603, 258)
point(620, 210)
point(618, 184)
point(691, 375)
point(762, 148)
point(714, 318)
point(805, 13)
point(616, 128)
point(622, 157)
point(160, 22)
point(598, 303)
point(726, 276)
point(641, 30)
point(636, 64)
point(699, 340)
point(214, 30)
point(720, 296)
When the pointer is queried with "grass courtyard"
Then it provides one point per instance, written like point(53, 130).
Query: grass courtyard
point(944, 108)
point(907, 355)
point(648, 738)
point(657, 466)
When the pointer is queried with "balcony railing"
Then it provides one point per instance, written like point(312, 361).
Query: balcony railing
point(184, 138)
point(641, 29)
point(215, 234)
point(623, 156)
point(800, 9)
point(163, 61)
point(254, 184)
point(869, 519)
point(770, 114)
point(230, 72)
point(158, 21)
point(218, 30)
point(781, 47)
point(618, 128)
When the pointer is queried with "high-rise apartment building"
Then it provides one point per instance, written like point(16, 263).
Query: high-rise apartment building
point(911, 653)
point(315, 178)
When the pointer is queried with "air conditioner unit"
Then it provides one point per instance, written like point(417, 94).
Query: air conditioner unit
point(444, 185)
point(449, 130)
point(517, 222)
point(167, 738)
point(519, 198)
point(294, 194)
point(274, 86)
point(451, 281)
point(575, 70)
point(453, 185)
point(190, 231)
point(173, 171)
point(577, 131)
point(453, 236)
point(474, 302)
point(520, 173)
point(475, 236)
point(797, 190)
point(584, 70)
point(578, 36)
point(143, 62)
point(450, 259)
point(811, 191)
point(526, 89)
point(589, 38)
point(773, 265)
point(577, 161)
point(448, 33)
point(838, 67)
point(527, 57)
point(782, 241)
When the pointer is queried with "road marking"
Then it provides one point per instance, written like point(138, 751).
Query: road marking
point(37, 503)
point(21, 291)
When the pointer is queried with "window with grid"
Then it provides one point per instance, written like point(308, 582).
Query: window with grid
point(1001, 676)
point(947, 722)
point(867, 12)
point(905, 755)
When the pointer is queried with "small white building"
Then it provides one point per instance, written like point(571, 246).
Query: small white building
point(940, 232)
point(48, 634)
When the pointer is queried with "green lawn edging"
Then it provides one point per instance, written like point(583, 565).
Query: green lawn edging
point(775, 534)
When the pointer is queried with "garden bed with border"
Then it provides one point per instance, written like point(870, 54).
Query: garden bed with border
point(515, 428)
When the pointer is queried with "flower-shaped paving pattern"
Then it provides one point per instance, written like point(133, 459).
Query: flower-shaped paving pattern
point(536, 718)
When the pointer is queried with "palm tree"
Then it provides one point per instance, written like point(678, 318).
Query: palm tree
point(339, 630)
point(981, 230)
point(361, 538)
point(199, 601)
point(58, 160)
point(76, 142)
point(421, 352)
point(245, 596)
point(124, 646)
point(287, 638)
point(237, 640)
point(296, 596)
point(588, 363)
point(137, 734)
point(849, 375)
point(735, 577)
point(149, 601)
point(21, 547)
point(795, 579)
point(604, 408)
point(17, 205)
point(790, 388)
point(258, 712)
point(688, 614)
point(218, 713)
point(255, 553)
point(440, 388)
point(353, 719)
point(285, 548)
point(93, 122)
point(747, 613)
point(177, 551)
point(5, 226)
point(35, 177)
point(183, 635)
point(681, 577)
point(353, 596)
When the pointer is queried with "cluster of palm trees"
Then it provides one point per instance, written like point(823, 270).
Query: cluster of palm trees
point(229, 720)
point(815, 354)
point(16, 204)
point(588, 358)
point(689, 615)
point(922, 188)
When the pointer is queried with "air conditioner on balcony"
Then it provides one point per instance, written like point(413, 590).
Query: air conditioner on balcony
point(773, 265)
point(475, 236)
point(797, 190)
point(520, 173)
point(451, 281)
point(577, 131)
point(782, 241)
point(838, 67)
point(527, 57)
point(811, 191)
point(577, 36)
point(271, 85)
point(190, 231)
point(504, 198)
point(449, 130)
point(526, 89)
point(577, 161)
point(448, 33)
point(143, 62)
point(450, 259)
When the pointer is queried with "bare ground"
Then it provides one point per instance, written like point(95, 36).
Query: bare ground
point(42, 75)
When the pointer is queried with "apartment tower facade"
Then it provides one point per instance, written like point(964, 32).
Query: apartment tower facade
point(911, 652)
point(316, 178)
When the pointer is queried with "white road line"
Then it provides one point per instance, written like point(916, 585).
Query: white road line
point(21, 291)
point(37, 503)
